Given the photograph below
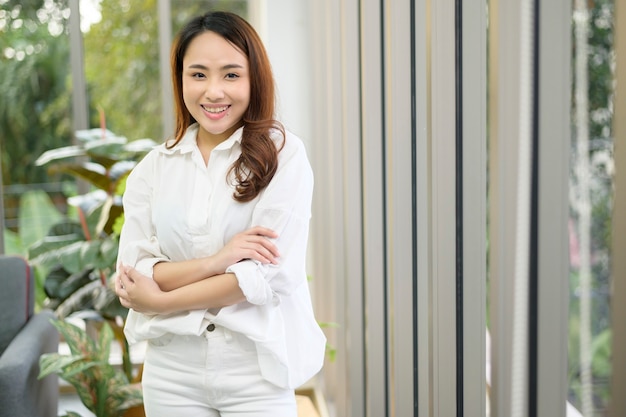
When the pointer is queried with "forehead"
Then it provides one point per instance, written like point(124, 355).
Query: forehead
point(211, 48)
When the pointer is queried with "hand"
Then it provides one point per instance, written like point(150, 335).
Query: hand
point(253, 243)
point(137, 291)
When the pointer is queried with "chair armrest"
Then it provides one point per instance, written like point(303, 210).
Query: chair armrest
point(21, 393)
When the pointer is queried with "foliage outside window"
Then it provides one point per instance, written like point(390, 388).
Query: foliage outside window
point(591, 206)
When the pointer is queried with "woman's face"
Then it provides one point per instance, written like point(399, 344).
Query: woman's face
point(216, 86)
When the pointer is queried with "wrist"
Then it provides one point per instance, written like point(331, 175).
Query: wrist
point(212, 266)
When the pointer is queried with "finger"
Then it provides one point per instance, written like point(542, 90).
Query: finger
point(262, 231)
point(268, 255)
point(128, 275)
point(121, 284)
point(118, 283)
point(271, 248)
point(124, 301)
point(266, 245)
point(261, 254)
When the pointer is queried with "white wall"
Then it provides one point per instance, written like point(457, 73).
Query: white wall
point(285, 29)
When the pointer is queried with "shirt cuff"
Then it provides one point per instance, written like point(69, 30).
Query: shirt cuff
point(146, 265)
point(251, 277)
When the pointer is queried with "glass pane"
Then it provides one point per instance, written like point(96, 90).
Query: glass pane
point(183, 10)
point(122, 62)
point(122, 69)
point(34, 104)
point(591, 206)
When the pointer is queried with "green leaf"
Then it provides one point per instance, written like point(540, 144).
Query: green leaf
point(51, 243)
point(78, 368)
point(37, 215)
point(76, 338)
point(119, 223)
point(76, 256)
point(86, 172)
point(84, 386)
point(108, 251)
point(107, 303)
point(110, 212)
point(81, 299)
point(105, 340)
point(105, 217)
point(125, 396)
point(72, 414)
point(13, 243)
point(60, 153)
point(60, 284)
point(54, 363)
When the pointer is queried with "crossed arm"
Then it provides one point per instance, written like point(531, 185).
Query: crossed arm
point(197, 283)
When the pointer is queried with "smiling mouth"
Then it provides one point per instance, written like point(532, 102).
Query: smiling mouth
point(215, 110)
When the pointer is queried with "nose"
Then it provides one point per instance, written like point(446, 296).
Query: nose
point(214, 90)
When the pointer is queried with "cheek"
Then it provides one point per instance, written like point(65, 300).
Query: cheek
point(245, 97)
point(188, 96)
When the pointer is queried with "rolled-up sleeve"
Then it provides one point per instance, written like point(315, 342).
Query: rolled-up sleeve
point(285, 208)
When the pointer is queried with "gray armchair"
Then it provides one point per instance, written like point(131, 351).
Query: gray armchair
point(24, 336)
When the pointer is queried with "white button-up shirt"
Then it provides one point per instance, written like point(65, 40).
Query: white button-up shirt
point(178, 208)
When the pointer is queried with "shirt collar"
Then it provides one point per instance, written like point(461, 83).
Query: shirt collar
point(188, 141)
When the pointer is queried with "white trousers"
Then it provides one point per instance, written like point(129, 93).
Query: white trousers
point(215, 374)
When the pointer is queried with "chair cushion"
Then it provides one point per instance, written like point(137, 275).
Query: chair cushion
point(16, 297)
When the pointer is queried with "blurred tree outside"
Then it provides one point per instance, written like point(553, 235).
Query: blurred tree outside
point(34, 102)
point(590, 393)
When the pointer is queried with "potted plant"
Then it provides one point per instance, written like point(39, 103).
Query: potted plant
point(77, 257)
point(104, 390)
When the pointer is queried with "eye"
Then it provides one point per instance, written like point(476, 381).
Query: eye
point(232, 76)
point(197, 75)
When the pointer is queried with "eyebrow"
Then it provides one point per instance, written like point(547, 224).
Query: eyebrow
point(225, 67)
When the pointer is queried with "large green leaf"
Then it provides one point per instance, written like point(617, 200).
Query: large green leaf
point(76, 338)
point(13, 244)
point(105, 339)
point(80, 300)
point(124, 396)
point(60, 284)
point(107, 303)
point(60, 154)
point(87, 172)
point(37, 215)
point(85, 388)
point(78, 256)
point(54, 363)
point(49, 245)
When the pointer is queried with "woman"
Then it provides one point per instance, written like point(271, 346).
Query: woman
point(212, 252)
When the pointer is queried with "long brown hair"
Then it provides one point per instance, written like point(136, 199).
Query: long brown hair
point(258, 161)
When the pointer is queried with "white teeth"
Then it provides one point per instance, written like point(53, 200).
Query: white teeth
point(215, 109)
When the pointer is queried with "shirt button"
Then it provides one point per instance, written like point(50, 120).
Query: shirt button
point(210, 327)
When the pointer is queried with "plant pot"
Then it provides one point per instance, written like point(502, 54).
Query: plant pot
point(136, 411)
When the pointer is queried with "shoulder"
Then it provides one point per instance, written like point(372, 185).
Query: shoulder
point(289, 145)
